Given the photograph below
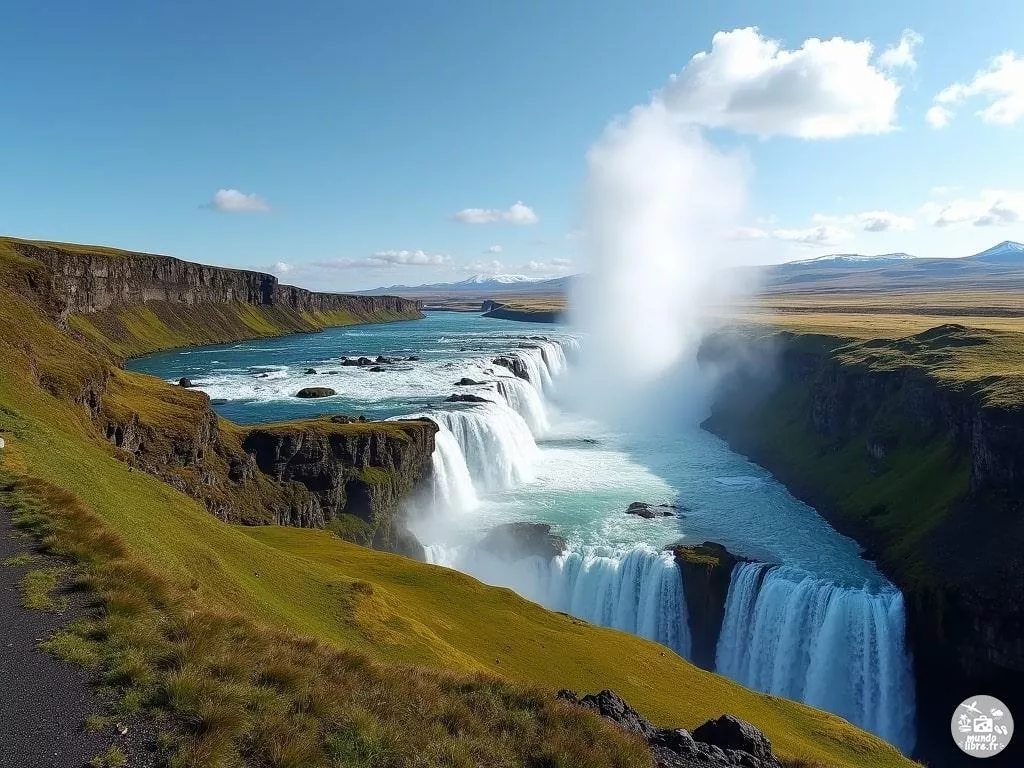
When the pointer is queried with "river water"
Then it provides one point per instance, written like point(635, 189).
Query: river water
point(820, 624)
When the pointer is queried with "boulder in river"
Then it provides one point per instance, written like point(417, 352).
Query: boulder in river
point(183, 382)
point(465, 381)
point(650, 511)
point(378, 369)
point(310, 371)
point(514, 541)
point(727, 742)
point(314, 392)
point(466, 398)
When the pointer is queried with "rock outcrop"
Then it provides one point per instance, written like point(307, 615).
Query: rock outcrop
point(706, 570)
point(514, 364)
point(514, 541)
point(727, 742)
point(364, 470)
point(466, 398)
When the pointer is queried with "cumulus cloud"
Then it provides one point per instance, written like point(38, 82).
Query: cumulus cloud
point(519, 213)
point(824, 89)
point(281, 267)
point(1001, 85)
point(535, 268)
point(990, 208)
point(821, 235)
point(901, 54)
point(389, 259)
point(870, 221)
point(494, 249)
point(938, 117)
point(233, 201)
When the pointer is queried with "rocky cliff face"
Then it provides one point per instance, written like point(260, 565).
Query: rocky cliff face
point(361, 470)
point(85, 280)
point(927, 473)
point(706, 570)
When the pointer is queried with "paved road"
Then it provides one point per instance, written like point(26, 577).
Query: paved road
point(43, 701)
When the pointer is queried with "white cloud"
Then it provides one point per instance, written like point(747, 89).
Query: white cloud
point(518, 213)
point(938, 117)
point(902, 54)
point(233, 201)
point(494, 249)
point(749, 233)
point(824, 89)
point(870, 221)
point(281, 267)
point(388, 259)
point(552, 268)
point(991, 208)
point(1001, 85)
point(823, 234)
point(942, 190)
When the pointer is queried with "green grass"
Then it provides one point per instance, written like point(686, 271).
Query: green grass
point(22, 558)
point(38, 587)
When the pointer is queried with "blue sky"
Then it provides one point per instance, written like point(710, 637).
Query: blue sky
point(353, 134)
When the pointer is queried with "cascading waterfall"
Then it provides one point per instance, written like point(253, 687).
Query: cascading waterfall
point(522, 398)
point(837, 648)
point(453, 486)
point(496, 443)
point(637, 590)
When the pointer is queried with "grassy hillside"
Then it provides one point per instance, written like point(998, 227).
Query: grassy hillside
point(291, 647)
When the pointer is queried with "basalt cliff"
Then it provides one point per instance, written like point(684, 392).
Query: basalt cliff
point(912, 446)
point(74, 313)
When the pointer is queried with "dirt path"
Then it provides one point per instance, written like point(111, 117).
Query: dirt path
point(44, 701)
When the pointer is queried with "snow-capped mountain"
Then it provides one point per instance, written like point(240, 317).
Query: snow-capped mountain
point(1006, 252)
point(854, 259)
point(480, 279)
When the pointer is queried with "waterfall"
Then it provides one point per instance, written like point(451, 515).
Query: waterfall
point(495, 441)
point(837, 648)
point(522, 398)
point(637, 590)
point(453, 487)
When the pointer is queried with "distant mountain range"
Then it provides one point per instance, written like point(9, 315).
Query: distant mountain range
point(481, 286)
point(999, 267)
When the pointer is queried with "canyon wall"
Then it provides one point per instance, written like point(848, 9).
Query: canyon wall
point(898, 446)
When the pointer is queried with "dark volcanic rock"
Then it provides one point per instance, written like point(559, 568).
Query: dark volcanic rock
point(183, 382)
point(731, 733)
point(413, 358)
point(514, 364)
point(378, 369)
point(727, 742)
point(384, 360)
point(706, 570)
point(467, 398)
point(514, 541)
point(312, 392)
point(467, 382)
point(650, 511)
point(310, 371)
